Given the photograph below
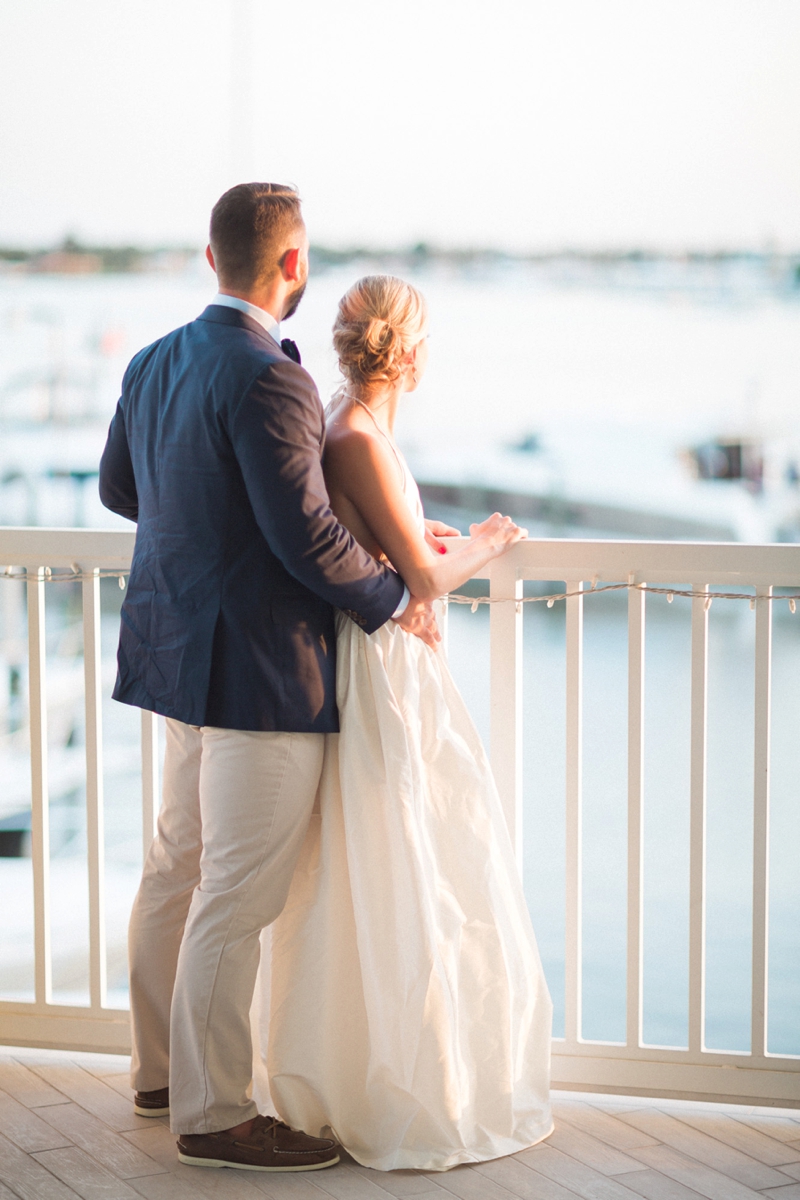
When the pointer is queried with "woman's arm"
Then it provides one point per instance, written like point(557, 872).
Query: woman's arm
point(362, 468)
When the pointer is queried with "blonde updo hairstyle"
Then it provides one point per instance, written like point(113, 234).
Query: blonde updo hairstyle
point(380, 319)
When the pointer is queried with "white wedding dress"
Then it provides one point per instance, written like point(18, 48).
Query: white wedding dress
point(401, 1001)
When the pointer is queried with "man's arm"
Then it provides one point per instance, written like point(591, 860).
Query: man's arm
point(117, 482)
point(276, 430)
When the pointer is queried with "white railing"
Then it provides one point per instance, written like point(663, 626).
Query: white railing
point(632, 1067)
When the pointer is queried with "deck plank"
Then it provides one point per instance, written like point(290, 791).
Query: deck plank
point(469, 1184)
point(344, 1184)
point(654, 1186)
point(7, 1194)
point(714, 1185)
point(591, 1151)
point(397, 1183)
point(121, 1084)
point(785, 1129)
point(708, 1150)
point(195, 1183)
point(26, 1129)
point(602, 1125)
point(27, 1178)
point(291, 1186)
point(87, 1091)
point(25, 1085)
point(759, 1145)
point(792, 1192)
point(113, 1152)
point(85, 1176)
point(157, 1142)
point(522, 1181)
point(573, 1175)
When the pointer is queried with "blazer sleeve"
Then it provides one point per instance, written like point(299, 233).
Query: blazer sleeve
point(276, 431)
point(117, 482)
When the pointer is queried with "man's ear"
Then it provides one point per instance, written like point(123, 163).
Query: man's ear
point(290, 265)
point(210, 259)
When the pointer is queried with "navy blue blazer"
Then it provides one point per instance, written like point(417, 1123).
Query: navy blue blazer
point(215, 450)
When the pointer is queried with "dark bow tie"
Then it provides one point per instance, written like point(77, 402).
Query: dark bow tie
point(290, 350)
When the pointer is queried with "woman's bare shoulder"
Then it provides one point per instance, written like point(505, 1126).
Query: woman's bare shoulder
point(347, 442)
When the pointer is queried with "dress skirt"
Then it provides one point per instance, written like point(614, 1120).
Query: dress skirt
point(401, 1002)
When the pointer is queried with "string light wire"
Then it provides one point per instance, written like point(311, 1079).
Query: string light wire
point(670, 593)
point(76, 575)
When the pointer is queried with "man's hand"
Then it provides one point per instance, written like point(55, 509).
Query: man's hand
point(418, 618)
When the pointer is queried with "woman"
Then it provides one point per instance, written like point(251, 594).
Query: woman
point(403, 1004)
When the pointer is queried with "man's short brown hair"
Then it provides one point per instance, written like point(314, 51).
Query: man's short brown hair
point(251, 225)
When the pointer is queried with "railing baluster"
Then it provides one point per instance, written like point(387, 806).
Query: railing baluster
point(573, 973)
point(40, 800)
point(636, 651)
point(697, 826)
point(150, 803)
point(761, 765)
point(505, 690)
point(94, 790)
point(443, 621)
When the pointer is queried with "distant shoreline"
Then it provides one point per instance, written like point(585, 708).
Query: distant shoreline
point(70, 257)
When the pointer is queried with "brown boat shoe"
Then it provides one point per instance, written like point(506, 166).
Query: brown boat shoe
point(270, 1146)
point(152, 1104)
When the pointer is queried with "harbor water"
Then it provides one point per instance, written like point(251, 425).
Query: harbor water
point(519, 357)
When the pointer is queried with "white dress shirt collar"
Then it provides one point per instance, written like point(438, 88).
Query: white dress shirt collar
point(264, 318)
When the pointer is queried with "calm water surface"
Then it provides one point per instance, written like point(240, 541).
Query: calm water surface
point(510, 355)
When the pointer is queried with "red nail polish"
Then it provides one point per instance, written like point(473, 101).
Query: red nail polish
point(442, 550)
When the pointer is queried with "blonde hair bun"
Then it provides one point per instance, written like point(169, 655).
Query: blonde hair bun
point(379, 320)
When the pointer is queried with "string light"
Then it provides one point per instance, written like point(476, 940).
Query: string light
point(670, 593)
point(74, 574)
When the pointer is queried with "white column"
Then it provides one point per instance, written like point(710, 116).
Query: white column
point(636, 652)
point(697, 827)
point(505, 693)
point(761, 765)
point(40, 800)
point(94, 790)
point(573, 985)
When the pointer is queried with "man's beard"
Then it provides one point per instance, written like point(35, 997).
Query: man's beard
point(294, 300)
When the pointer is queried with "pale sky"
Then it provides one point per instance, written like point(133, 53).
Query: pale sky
point(526, 124)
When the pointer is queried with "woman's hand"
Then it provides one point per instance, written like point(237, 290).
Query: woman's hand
point(498, 531)
point(437, 529)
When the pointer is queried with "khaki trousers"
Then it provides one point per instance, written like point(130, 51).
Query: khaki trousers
point(235, 810)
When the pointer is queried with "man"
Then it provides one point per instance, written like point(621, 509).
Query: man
point(228, 632)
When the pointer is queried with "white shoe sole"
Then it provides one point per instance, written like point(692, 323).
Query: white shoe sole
point(220, 1162)
point(150, 1112)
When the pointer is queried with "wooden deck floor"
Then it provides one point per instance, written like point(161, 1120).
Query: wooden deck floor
point(67, 1129)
